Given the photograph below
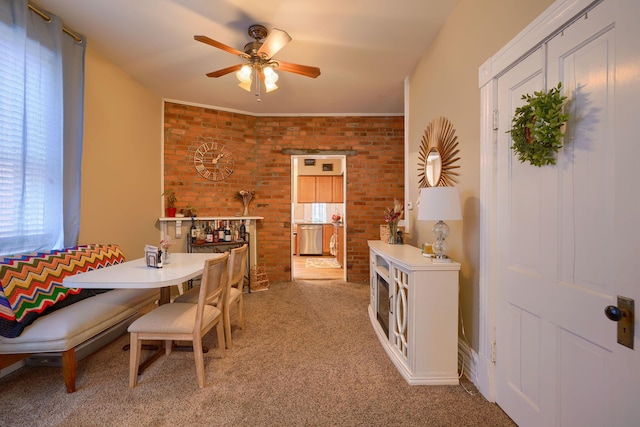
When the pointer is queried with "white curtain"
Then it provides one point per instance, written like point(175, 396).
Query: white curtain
point(41, 116)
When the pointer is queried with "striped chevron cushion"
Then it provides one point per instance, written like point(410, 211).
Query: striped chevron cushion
point(31, 284)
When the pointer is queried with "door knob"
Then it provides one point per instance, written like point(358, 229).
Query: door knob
point(624, 314)
point(613, 313)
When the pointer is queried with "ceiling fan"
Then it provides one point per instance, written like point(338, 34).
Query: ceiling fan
point(259, 56)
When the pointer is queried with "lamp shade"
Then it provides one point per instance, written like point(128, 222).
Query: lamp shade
point(439, 203)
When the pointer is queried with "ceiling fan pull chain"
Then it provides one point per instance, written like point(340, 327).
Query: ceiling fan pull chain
point(257, 79)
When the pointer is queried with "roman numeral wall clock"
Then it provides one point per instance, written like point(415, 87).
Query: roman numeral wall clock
point(213, 161)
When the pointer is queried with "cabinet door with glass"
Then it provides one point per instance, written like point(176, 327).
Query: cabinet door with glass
point(399, 313)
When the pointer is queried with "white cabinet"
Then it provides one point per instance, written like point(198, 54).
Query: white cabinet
point(414, 312)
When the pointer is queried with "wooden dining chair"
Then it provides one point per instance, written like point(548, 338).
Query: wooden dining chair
point(185, 321)
point(237, 269)
point(236, 273)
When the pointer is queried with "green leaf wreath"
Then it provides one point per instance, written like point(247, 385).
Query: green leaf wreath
point(536, 128)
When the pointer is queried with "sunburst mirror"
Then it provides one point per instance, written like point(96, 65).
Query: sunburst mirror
point(438, 153)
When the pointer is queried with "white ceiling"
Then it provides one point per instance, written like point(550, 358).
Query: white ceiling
point(364, 48)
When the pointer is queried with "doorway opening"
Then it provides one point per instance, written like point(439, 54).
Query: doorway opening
point(318, 205)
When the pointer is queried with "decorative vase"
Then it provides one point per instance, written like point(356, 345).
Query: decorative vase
point(167, 256)
point(246, 210)
point(393, 233)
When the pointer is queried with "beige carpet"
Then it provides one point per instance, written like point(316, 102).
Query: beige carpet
point(309, 357)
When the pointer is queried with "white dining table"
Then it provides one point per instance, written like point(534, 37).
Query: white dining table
point(135, 274)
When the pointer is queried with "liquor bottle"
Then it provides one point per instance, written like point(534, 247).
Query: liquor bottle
point(209, 233)
point(194, 231)
point(235, 234)
point(243, 231)
point(214, 231)
point(227, 233)
point(220, 232)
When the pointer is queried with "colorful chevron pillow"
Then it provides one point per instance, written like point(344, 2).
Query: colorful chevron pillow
point(32, 283)
point(10, 263)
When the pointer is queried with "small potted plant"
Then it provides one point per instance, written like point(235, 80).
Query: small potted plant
point(190, 211)
point(170, 198)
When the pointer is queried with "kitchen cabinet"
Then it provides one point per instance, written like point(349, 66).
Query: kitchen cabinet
point(296, 240)
point(320, 189)
point(306, 189)
point(338, 190)
point(324, 189)
point(339, 232)
point(327, 232)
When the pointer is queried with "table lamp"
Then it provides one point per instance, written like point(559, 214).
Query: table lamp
point(439, 204)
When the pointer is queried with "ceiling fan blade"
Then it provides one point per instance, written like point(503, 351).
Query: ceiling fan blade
point(225, 71)
point(276, 40)
point(303, 70)
point(214, 43)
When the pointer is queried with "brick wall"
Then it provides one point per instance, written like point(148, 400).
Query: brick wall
point(375, 175)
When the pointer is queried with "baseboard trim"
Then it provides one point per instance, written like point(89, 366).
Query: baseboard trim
point(476, 369)
point(466, 361)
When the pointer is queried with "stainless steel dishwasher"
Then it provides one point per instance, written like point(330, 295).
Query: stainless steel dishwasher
point(310, 239)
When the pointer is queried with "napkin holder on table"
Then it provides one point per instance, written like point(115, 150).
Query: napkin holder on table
point(153, 256)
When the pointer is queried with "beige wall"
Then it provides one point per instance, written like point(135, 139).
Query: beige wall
point(445, 83)
point(121, 161)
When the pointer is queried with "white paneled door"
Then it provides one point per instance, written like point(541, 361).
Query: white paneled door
point(568, 236)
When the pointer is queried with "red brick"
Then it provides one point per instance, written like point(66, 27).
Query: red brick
point(375, 175)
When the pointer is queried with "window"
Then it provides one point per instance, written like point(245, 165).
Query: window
point(319, 212)
point(31, 142)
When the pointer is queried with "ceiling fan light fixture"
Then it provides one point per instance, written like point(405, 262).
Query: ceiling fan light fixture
point(270, 78)
point(269, 74)
point(246, 85)
point(244, 75)
point(269, 87)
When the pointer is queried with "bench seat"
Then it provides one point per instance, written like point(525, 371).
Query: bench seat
point(70, 326)
point(41, 317)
